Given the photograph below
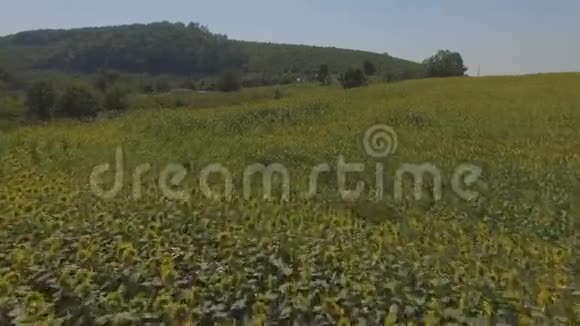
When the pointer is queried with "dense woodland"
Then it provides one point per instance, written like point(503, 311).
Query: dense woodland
point(155, 48)
point(178, 49)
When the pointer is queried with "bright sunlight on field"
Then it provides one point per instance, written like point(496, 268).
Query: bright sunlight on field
point(508, 255)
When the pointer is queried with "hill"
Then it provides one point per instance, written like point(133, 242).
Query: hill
point(280, 58)
point(175, 49)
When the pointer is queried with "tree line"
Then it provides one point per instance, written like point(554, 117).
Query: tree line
point(81, 101)
point(444, 63)
point(78, 101)
point(105, 94)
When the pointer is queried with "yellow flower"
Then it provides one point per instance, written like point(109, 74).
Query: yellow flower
point(544, 298)
point(431, 319)
point(343, 321)
point(259, 320)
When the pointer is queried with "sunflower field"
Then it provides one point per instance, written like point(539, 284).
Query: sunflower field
point(70, 257)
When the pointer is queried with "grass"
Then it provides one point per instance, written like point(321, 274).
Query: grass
point(212, 99)
point(508, 256)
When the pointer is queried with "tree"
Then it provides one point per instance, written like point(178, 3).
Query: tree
point(230, 82)
point(324, 75)
point(352, 78)
point(79, 101)
point(369, 67)
point(41, 98)
point(116, 100)
point(445, 64)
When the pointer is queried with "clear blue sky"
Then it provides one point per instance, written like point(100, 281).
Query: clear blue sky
point(503, 36)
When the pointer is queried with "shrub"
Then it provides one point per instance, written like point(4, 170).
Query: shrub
point(116, 100)
point(352, 78)
point(389, 77)
point(370, 68)
point(79, 101)
point(41, 98)
point(287, 79)
point(105, 79)
point(148, 88)
point(230, 82)
point(324, 75)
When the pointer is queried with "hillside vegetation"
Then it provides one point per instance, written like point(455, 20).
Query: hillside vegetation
point(507, 256)
point(280, 58)
point(175, 49)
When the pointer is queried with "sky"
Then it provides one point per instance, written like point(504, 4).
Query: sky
point(502, 37)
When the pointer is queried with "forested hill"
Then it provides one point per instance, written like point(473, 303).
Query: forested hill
point(175, 48)
point(279, 58)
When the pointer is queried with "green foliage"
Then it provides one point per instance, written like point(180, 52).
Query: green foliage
point(389, 77)
point(79, 101)
point(395, 77)
point(5, 78)
point(177, 49)
point(148, 88)
point(116, 99)
point(68, 257)
point(105, 79)
point(277, 59)
point(369, 68)
point(212, 99)
point(445, 64)
point(153, 48)
point(189, 83)
point(41, 100)
point(162, 85)
point(352, 78)
point(230, 81)
point(12, 110)
point(265, 79)
point(8, 81)
point(11, 104)
point(324, 75)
